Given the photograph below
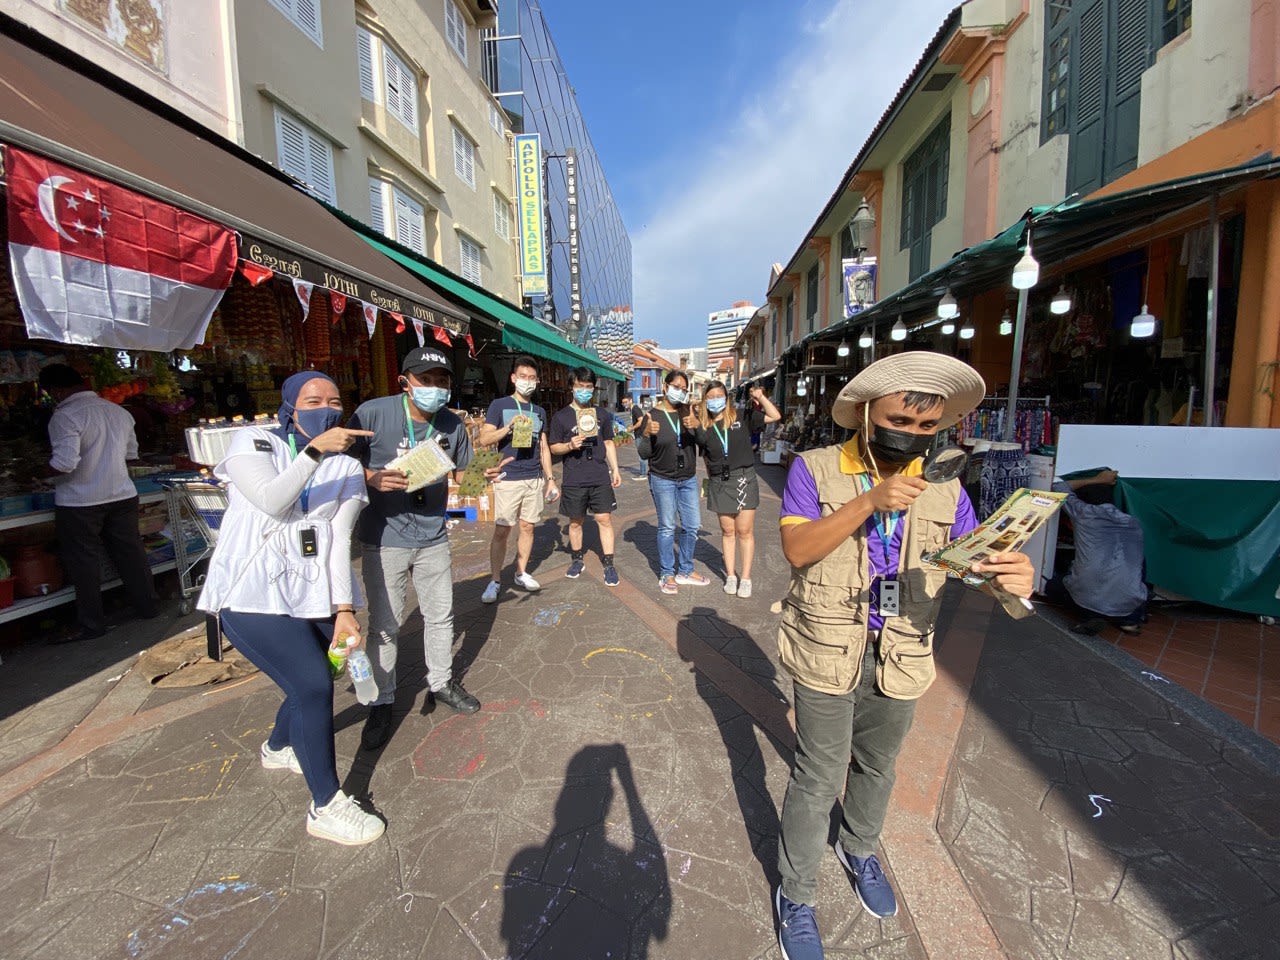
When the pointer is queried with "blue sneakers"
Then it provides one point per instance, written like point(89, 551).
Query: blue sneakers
point(575, 570)
point(870, 883)
point(797, 929)
point(611, 578)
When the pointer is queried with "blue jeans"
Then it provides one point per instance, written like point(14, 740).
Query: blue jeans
point(673, 497)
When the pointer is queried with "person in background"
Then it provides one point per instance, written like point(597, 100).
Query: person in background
point(857, 630)
point(1107, 577)
point(733, 491)
point(635, 414)
point(590, 473)
point(96, 504)
point(282, 583)
point(756, 417)
point(404, 534)
point(667, 439)
point(527, 482)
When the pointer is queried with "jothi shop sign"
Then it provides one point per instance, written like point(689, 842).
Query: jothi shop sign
point(290, 265)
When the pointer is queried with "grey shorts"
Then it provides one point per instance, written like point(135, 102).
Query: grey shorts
point(740, 492)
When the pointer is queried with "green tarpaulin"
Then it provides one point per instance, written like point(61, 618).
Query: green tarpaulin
point(519, 331)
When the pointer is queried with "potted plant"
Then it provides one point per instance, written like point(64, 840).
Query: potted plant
point(6, 584)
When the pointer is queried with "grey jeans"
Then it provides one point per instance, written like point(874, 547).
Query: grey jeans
point(852, 741)
point(386, 584)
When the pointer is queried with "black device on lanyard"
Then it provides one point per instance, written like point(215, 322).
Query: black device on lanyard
point(307, 540)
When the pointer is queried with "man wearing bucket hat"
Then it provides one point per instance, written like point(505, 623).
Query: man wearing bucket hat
point(858, 621)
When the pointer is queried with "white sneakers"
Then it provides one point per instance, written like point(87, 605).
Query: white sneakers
point(342, 821)
point(744, 589)
point(731, 585)
point(523, 581)
point(526, 582)
point(490, 594)
point(282, 759)
point(692, 580)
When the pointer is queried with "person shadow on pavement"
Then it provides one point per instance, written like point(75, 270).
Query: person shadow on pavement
point(578, 894)
point(701, 628)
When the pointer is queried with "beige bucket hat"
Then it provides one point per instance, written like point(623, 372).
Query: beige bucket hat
point(923, 371)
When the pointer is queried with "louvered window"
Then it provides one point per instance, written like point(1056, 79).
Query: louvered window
point(364, 58)
point(401, 89)
point(305, 155)
point(378, 206)
point(464, 158)
point(410, 222)
point(812, 285)
point(501, 217)
point(924, 194)
point(455, 28)
point(305, 15)
point(470, 256)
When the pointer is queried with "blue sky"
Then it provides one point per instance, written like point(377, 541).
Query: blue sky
point(723, 128)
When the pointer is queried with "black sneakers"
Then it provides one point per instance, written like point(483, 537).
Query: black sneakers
point(377, 729)
point(456, 697)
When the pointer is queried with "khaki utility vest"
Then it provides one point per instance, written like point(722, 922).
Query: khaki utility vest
point(823, 636)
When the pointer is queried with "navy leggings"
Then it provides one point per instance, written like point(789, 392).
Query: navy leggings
point(293, 653)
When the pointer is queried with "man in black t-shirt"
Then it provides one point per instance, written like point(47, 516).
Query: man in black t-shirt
point(632, 410)
point(582, 433)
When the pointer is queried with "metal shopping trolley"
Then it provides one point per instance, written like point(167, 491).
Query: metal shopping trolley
point(196, 504)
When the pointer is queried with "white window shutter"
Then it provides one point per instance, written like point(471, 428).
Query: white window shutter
point(320, 167)
point(418, 231)
point(364, 51)
point(402, 218)
point(470, 257)
point(377, 210)
point(308, 14)
point(291, 145)
point(391, 77)
point(402, 89)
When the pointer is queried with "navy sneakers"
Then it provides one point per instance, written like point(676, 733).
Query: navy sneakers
point(797, 929)
point(870, 882)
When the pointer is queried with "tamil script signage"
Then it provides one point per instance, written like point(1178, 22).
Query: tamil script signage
point(859, 284)
point(286, 264)
point(575, 271)
point(533, 258)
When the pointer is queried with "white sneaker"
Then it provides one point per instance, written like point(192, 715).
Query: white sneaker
point(282, 759)
point(526, 582)
point(744, 589)
point(490, 594)
point(342, 821)
point(731, 585)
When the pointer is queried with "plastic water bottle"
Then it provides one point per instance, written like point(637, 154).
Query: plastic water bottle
point(361, 672)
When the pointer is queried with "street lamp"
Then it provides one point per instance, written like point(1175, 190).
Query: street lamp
point(860, 224)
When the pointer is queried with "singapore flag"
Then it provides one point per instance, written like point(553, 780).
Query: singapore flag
point(96, 264)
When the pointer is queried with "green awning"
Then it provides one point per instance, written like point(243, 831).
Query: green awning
point(519, 330)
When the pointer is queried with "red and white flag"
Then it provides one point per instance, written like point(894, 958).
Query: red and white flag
point(442, 335)
point(302, 290)
point(370, 316)
point(338, 303)
point(418, 329)
point(94, 263)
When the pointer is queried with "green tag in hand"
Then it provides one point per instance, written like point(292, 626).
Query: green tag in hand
point(473, 481)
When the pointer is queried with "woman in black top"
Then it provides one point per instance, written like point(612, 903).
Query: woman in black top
point(733, 491)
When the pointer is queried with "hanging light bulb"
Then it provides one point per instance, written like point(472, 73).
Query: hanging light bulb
point(843, 349)
point(1143, 325)
point(801, 389)
point(865, 340)
point(967, 331)
point(1006, 323)
point(947, 307)
point(1027, 272)
point(899, 331)
point(1061, 301)
point(948, 328)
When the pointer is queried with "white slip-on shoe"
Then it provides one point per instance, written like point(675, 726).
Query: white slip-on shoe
point(490, 594)
point(341, 820)
point(282, 759)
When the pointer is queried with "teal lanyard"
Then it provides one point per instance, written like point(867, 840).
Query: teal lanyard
point(724, 438)
point(675, 430)
point(885, 523)
point(305, 499)
point(408, 424)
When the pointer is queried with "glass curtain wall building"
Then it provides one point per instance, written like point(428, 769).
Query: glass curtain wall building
point(523, 68)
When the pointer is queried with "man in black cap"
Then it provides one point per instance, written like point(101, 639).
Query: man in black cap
point(404, 533)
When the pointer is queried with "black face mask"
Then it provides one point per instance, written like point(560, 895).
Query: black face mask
point(898, 446)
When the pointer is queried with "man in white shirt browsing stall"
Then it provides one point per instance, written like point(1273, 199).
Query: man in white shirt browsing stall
point(96, 503)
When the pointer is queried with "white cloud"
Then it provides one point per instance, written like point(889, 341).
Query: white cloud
point(759, 178)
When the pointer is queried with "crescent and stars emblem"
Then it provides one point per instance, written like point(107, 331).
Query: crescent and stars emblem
point(47, 192)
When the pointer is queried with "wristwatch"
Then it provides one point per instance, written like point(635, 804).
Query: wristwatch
point(313, 453)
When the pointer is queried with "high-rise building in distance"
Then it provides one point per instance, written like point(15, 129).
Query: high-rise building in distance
point(723, 328)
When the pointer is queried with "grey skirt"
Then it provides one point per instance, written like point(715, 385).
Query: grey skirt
point(740, 492)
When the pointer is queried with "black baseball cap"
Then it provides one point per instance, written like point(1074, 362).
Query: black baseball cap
point(424, 359)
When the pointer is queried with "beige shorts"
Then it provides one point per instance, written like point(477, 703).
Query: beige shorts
point(518, 500)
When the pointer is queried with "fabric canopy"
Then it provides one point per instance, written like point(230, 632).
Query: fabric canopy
point(519, 330)
point(88, 119)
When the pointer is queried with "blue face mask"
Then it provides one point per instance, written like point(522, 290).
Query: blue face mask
point(583, 396)
point(676, 396)
point(317, 420)
point(430, 399)
point(716, 404)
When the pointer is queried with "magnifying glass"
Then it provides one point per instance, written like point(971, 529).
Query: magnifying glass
point(945, 463)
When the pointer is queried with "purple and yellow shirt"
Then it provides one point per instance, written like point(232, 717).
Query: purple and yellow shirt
point(800, 504)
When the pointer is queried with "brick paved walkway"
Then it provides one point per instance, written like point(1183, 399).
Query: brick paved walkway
point(617, 797)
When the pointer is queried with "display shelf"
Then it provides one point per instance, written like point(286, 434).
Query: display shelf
point(32, 605)
point(46, 516)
